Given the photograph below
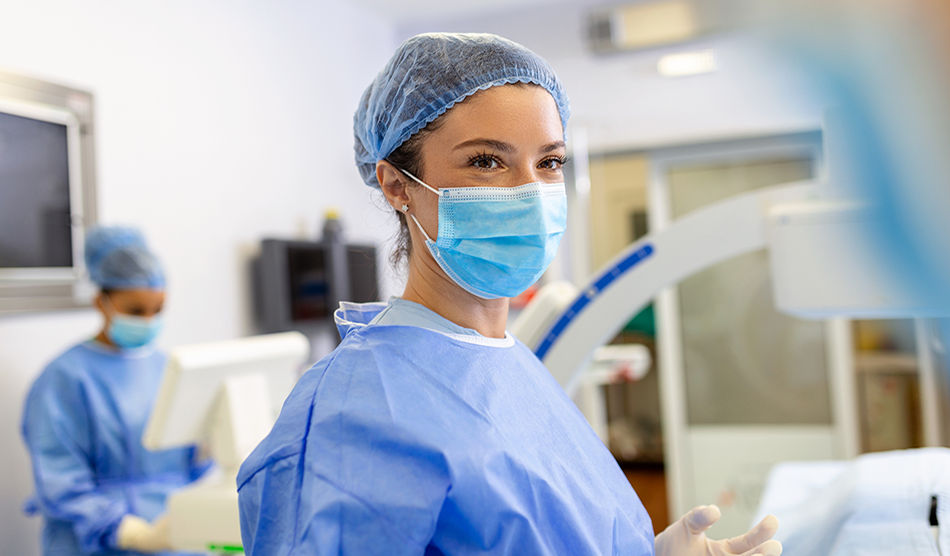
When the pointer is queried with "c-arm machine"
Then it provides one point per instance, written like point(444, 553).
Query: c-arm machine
point(822, 266)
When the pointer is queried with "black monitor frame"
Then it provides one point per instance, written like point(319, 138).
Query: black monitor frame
point(297, 287)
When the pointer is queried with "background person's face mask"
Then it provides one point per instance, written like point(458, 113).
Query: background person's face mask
point(497, 241)
point(129, 331)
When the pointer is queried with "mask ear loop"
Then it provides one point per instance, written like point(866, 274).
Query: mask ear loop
point(422, 183)
point(413, 216)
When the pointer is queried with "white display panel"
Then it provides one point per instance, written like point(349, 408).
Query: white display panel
point(225, 395)
point(196, 375)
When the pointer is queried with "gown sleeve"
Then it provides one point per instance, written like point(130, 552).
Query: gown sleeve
point(351, 483)
point(58, 435)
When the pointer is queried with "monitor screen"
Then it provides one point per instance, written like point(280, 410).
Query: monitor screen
point(309, 283)
point(35, 224)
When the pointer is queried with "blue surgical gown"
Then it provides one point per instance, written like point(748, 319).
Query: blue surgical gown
point(407, 440)
point(83, 424)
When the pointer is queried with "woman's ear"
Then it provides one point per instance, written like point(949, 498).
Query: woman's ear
point(393, 184)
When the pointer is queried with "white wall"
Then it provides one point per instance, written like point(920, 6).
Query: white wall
point(219, 122)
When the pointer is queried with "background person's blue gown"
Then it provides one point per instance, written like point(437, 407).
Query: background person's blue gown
point(405, 440)
point(83, 425)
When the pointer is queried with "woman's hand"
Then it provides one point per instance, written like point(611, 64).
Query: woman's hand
point(687, 537)
point(137, 534)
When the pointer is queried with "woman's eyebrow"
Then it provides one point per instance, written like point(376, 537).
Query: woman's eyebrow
point(492, 143)
point(504, 147)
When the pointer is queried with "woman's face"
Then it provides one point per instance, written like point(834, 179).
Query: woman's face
point(504, 136)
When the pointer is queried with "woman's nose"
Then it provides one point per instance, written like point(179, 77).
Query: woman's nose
point(526, 173)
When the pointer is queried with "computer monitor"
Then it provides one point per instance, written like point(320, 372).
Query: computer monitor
point(297, 287)
point(41, 206)
point(226, 394)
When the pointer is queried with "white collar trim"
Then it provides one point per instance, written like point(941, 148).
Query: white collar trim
point(505, 342)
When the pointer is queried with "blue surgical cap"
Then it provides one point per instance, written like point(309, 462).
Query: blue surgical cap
point(119, 259)
point(429, 74)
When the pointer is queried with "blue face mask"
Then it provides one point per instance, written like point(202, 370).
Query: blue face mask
point(129, 332)
point(496, 241)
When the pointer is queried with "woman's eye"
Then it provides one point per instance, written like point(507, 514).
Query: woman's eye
point(553, 163)
point(485, 162)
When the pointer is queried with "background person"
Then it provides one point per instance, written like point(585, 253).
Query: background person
point(98, 490)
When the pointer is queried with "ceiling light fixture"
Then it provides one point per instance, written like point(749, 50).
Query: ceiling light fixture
point(687, 63)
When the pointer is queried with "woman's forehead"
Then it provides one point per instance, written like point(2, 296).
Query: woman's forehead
point(141, 296)
point(519, 115)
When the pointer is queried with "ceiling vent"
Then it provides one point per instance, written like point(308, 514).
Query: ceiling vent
point(644, 25)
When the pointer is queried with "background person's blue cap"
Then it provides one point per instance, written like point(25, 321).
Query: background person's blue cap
point(119, 259)
point(429, 74)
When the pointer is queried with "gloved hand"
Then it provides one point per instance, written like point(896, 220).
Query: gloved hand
point(687, 537)
point(139, 535)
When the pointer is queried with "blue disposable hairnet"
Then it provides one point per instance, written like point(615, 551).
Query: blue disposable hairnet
point(429, 74)
point(119, 259)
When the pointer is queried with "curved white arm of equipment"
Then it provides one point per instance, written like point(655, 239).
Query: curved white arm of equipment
point(625, 285)
point(541, 312)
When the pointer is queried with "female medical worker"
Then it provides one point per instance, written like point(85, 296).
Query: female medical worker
point(98, 489)
point(430, 430)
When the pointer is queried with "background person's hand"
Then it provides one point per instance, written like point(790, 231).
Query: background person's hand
point(687, 537)
point(139, 535)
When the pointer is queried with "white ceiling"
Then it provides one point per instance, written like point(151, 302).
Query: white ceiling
point(407, 11)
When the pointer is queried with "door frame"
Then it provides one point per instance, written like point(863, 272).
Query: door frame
point(839, 352)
